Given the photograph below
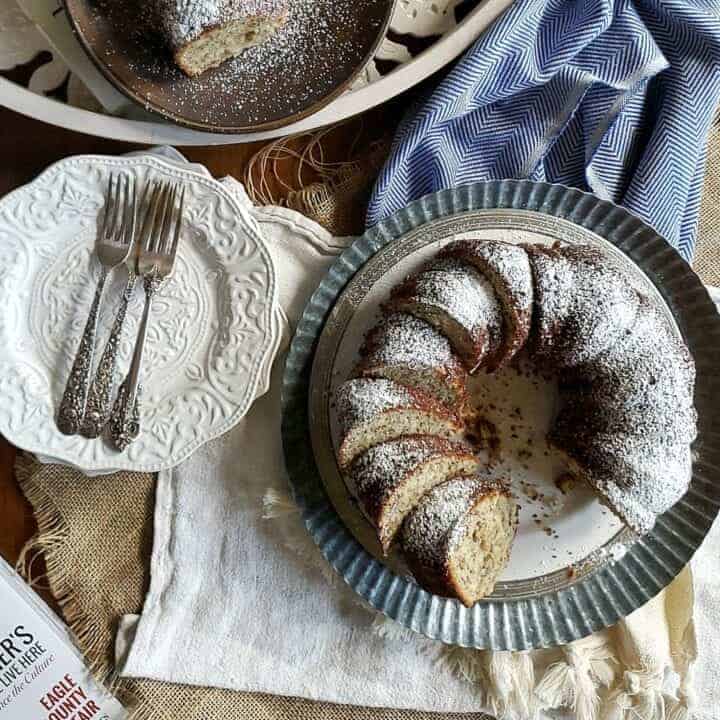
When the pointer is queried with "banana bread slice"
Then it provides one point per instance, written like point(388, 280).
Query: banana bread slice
point(413, 353)
point(460, 303)
point(507, 267)
point(371, 411)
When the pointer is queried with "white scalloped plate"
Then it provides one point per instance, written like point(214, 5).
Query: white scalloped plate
point(213, 329)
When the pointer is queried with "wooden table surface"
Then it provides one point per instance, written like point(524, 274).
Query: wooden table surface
point(26, 147)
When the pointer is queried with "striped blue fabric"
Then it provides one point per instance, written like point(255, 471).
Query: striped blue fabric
point(615, 97)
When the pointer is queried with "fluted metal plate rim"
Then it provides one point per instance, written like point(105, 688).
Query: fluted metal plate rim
point(612, 589)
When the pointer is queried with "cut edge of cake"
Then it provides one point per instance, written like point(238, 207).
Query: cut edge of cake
point(204, 35)
point(374, 410)
point(389, 479)
point(457, 540)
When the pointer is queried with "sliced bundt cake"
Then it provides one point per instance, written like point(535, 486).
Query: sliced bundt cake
point(389, 479)
point(626, 423)
point(507, 268)
point(458, 301)
point(457, 540)
point(370, 411)
point(638, 477)
point(581, 307)
point(413, 353)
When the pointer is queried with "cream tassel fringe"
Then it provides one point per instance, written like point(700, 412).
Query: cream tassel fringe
point(586, 669)
point(574, 681)
point(511, 685)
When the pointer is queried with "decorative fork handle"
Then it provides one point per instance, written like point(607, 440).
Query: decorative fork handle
point(74, 399)
point(125, 418)
point(99, 400)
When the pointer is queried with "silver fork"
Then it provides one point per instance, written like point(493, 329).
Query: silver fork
point(112, 247)
point(157, 247)
point(99, 399)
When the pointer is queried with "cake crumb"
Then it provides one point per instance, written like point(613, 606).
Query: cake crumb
point(565, 482)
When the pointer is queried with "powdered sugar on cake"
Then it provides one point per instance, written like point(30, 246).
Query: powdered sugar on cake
point(429, 530)
point(362, 399)
point(462, 293)
point(185, 20)
point(299, 63)
point(381, 468)
point(403, 339)
point(580, 309)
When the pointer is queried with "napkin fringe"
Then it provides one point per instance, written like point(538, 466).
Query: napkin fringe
point(575, 681)
point(50, 538)
point(510, 690)
point(585, 670)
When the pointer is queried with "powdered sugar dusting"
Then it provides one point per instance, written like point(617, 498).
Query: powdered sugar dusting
point(383, 467)
point(581, 308)
point(297, 66)
point(637, 411)
point(641, 385)
point(508, 269)
point(362, 399)
point(184, 20)
point(405, 340)
point(503, 261)
point(459, 291)
point(428, 530)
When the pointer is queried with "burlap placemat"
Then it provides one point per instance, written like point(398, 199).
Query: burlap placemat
point(96, 533)
point(96, 537)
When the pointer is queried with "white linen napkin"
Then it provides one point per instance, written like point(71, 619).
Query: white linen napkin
point(246, 603)
point(229, 604)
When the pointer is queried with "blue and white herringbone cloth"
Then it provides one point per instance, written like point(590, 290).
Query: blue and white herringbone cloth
point(611, 96)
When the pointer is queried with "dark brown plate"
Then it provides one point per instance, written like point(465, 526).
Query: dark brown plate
point(324, 45)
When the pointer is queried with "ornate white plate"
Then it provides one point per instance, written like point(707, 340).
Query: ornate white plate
point(213, 329)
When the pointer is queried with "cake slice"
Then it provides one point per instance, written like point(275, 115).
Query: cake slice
point(371, 411)
point(507, 267)
point(460, 303)
point(413, 353)
point(203, 34)
point(389, 479)
point(457, 540)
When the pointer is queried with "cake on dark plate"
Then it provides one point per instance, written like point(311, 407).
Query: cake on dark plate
point(203, 34)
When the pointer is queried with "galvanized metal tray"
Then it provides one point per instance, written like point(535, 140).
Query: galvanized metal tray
point(526, 610)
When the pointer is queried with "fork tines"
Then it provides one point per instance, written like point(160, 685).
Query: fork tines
point(160, 231)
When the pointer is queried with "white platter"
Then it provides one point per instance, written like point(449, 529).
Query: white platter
point(151, 131)
point(213, 330)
